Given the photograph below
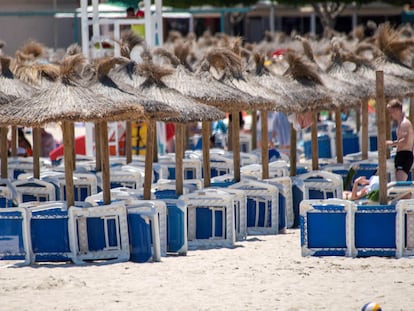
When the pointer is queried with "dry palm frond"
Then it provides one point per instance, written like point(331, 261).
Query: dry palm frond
point(389, 42)
point(358, 60)
point(5, 66)
point(359, 32)
point(153, 73)
point(236, 45)
point(72, 68)
point(33, 48)
point(299, 70)
point(21, 57)
point(306, 48)
point(181, 51)
point(73, 49)
point(162, 52)
point(105, 64)
point(129, 41)
point(224, 60)
point(50, 72)
point(259, 61)
point(173, 36)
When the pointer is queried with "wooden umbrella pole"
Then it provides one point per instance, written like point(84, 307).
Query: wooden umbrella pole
point(339, 141)
point(68, 159)
point(364, 130)
point(358, 119)
point(179, 152)
point(98, 155)
point(293, 150)
point(264, 128)
point(106, 178)
point(314, 133)
point(37, 144)
point(72, 137)
point(128, 142)
point(381, 122)
point(206, 130)
point(155, 144)
point(230, 133)
point(14, 141)
point(236, 145)
point(4, 150)
point(148, 159)
point(253, 129)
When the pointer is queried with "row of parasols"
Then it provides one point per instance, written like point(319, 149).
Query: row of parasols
point(227, 78)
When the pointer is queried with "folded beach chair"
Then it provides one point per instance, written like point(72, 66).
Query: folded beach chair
point(375, 230)
point(99, 233)
point(405, 228)
point(34, 190)
point(262, 206)
point(210, 218)
point(15, 242)
point(326, 227)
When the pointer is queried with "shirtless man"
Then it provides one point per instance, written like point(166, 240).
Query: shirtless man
point(405, 139)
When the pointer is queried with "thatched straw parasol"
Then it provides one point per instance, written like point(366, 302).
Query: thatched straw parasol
point(337, 69)
point(343, 95)
point(68, 101)
point(302, 73)
point(194, 85)
point(226, 66)
point(4, 99)
point(147, 77)
point(123, 93)
point(396, 53)
point(12, 86)
point(9, 84)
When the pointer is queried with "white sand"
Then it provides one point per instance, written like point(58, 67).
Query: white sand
point(262, 273)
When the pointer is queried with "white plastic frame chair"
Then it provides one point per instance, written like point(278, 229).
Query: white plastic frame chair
point(21, 216)
point(405, 228)
point(78, 233)
point(327, 207)
point(216, 202)
point(328, 183)
point(261, 193)
point(38, 189)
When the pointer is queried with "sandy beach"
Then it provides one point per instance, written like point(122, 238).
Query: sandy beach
point(265, 272)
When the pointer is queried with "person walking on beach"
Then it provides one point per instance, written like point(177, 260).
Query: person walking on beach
point(404, 142)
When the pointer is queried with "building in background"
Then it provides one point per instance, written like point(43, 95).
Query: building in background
point(21, 20)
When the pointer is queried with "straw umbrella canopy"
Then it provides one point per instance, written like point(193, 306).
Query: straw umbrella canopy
point(344, 94)
point(67, 101)
point(302, 73)
point(217, 94)
point(147, 77)
point(12, 86)
point(4, 99)
point(123, 93)
point(337, 68)
point(193, 84)
point(395, 58)
point(226, 66)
